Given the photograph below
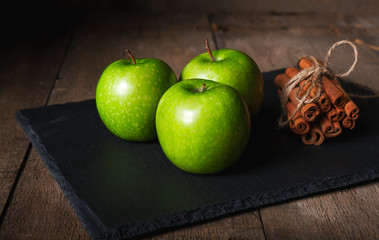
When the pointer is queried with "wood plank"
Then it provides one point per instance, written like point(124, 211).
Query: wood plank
point(347, 214)
point(28, 68)
point(276, 41)
point(240, 226)
point(37, 191)
point(98, 41)
point(103, 39)
point(39, 210)
point(365, 34)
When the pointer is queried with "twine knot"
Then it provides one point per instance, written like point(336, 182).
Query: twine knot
point(311, 78)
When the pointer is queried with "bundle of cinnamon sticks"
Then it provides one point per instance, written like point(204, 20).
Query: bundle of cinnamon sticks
point(324, 118)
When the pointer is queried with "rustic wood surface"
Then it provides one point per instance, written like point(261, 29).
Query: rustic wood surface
point(62, 61)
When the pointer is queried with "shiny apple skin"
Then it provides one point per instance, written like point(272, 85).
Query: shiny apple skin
point(231, 67)
point(203, 132)
point(127, 96)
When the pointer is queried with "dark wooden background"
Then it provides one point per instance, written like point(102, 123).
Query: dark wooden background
point(54, 52)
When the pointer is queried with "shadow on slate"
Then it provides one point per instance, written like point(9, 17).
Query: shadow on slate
point(123, 189)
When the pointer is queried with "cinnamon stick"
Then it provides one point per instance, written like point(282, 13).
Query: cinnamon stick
point(335, 114)
point(281, 80)
point(337, 97)
point(315, 136)
point(329, 128)
point(323, 102)
point(291, 72)
point(298, 124)
point(351, 110)
point(305, 63)
point(324, 118)
point(348, 123)
point(308, 111)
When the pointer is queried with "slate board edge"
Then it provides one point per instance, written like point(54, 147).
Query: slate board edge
point(82, 210)
point(249, 203)
point(97, 230)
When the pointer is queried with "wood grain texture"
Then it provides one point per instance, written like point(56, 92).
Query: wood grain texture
point(97, 42)
point(277, 41)
point(28, 69)
point(347, 214)
point(103, 38)
point(240, 226)
point(39, 210)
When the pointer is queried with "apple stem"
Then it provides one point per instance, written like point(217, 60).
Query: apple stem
point(202, 88)
point(130, 55)
point(209, 51)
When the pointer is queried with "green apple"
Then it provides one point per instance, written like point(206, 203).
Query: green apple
point(231, 67)
point(203, 126)
point(128, 93)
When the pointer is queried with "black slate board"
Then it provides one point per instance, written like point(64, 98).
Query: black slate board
point(123, 189)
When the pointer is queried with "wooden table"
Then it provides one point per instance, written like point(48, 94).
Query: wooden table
point(60, 59)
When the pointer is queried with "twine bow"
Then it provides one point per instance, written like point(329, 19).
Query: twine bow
point(312, 75)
